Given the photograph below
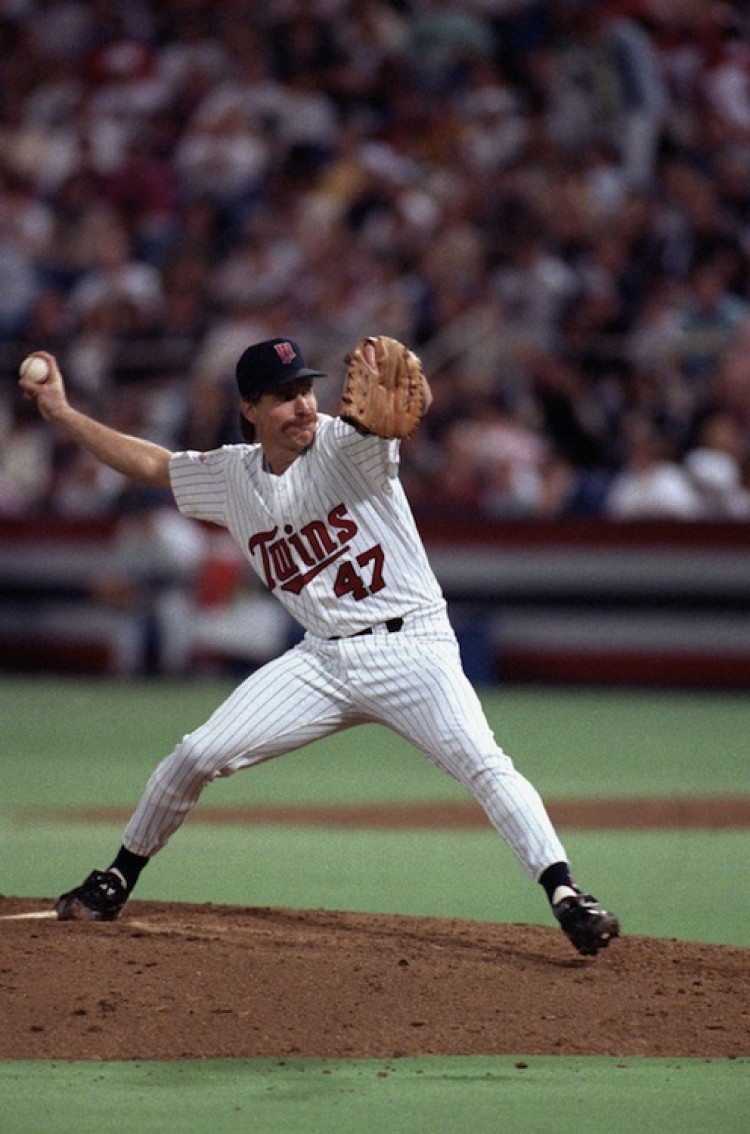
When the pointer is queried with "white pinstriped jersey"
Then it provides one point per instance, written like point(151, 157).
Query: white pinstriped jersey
point(333, 537)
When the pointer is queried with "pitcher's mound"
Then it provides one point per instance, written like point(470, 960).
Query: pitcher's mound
point(173, 981)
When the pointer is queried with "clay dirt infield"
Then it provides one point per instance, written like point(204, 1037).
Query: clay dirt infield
point(177, 981)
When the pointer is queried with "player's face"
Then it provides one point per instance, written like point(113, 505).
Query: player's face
point(285, 421)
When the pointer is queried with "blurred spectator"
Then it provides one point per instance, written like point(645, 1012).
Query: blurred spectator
point(25, 460)
point(651, 484)
point(25, 233)
point(709, 319)
point(18, 290)
point(603, 83)
point(716, 464)
point(81, 220)
point(493, 461)
point(128, 290)
point(727, 79)
point(142, 190)
point(81, 486)
point(444, 38)
point(119, 307)
point(157, 559)
point(534, 286)
point(731, 382)
point(368, 34)
point(41, 144)
point(187, 592)
point(223, 156)
point(696, 227)
point(192, 60)
point(575, 419)
point(656, 329)
point(260, 265)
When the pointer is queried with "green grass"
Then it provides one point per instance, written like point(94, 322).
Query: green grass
point(487, 1095)
point(82, 742)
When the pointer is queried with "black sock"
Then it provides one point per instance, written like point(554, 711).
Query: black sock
point(556, 875)
point(130, 866)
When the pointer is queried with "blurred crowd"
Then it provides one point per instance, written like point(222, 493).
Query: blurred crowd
point(548, 199)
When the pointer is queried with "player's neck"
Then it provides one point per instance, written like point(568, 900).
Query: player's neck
point(277, 463)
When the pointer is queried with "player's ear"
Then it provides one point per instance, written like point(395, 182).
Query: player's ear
point(247, 420)
point(249, 410)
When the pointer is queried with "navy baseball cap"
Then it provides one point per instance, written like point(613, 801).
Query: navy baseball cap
point(266, 366)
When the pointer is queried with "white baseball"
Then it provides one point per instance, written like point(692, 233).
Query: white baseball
point(34, 368)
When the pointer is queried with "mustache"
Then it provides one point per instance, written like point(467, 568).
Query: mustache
point(301, 422)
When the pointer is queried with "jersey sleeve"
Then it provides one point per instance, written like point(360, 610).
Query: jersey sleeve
point(199, 484)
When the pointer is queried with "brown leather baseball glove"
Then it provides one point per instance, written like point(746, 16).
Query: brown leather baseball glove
point(384, 388)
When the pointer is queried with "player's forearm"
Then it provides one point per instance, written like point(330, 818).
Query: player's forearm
point(41, 380)
point(134, 457)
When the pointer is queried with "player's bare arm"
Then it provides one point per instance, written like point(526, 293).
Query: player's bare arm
point(132, 456)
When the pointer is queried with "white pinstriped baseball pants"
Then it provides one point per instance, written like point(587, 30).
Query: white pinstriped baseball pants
point(411, 681)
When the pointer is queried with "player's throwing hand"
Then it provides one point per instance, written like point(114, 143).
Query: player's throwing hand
point(41, 381)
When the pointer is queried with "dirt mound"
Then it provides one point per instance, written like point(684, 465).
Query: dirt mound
point(672, 813)
point(173, 981)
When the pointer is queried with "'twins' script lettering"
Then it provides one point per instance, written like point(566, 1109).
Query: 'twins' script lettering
point(292, 560)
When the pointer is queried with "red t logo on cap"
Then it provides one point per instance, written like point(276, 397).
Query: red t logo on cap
point(285, 351)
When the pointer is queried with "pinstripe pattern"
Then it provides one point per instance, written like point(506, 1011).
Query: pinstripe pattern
point(305, 532)
point(230, 487)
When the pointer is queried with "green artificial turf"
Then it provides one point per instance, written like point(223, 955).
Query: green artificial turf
point(435, 1095)
point(87, 742)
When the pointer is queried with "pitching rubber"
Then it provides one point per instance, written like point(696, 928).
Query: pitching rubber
point(35, 915)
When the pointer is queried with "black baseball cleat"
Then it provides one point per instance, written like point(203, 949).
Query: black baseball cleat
point(587, 926)
point(101, 897)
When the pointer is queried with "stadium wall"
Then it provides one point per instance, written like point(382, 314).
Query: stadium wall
point(647, 603)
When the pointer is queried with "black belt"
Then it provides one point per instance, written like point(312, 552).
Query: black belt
point(393, 625)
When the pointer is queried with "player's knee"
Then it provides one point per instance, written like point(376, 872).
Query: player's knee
point(491, 766)
point(195, 762)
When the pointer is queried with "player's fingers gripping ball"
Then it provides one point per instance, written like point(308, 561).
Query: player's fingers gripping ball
point(34, 369)
point(384, 388)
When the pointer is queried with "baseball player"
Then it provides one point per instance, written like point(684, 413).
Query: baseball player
point(316, 505)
